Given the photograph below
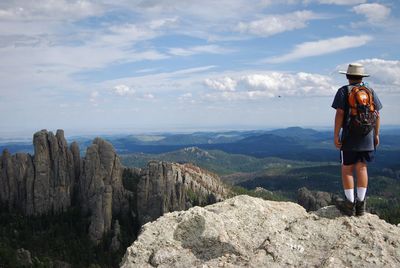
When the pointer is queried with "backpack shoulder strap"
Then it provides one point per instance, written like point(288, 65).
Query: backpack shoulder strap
point(351, 98)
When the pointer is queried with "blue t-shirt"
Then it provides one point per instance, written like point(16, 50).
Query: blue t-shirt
point(352, 143)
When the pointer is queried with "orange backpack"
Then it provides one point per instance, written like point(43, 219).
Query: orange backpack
point(362, 115)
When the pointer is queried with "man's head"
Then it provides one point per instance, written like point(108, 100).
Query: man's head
point(355, 72)
point(354, 78)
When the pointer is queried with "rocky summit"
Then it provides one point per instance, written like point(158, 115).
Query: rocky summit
point(250, 232)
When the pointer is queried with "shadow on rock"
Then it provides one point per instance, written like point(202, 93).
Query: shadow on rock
point(191, 233)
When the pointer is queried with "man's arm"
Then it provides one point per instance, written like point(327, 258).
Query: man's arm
point(376, 131)
point(338, 125)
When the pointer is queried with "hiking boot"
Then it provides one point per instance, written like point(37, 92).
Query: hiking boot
point(361, 207)
point(345, 206)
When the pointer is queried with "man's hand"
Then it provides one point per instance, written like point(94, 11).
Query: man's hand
point(376, 141)
point(337, 142)
point(338, 125)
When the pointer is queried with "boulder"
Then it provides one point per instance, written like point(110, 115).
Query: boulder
point(250, 232)
point(23, 258)
point(313, 200)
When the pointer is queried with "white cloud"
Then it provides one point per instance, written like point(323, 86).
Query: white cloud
point(148, 96)
point(130, 33)
point(147, 70)
point(222, 84)
point(342, 2)
point(94, 98)
point(163, 23)
point(209, 10)
point(166, 84)
point(269, 85)
point(192, 70)
point(49, 9)
point(321, 47)
point(275, 24)
point(123, 90)
point(186, 98)
point(211, 49)
point(44, 55)
point(374, 12)
point(187, 95)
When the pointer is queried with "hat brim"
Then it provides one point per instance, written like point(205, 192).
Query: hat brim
point(360, 75)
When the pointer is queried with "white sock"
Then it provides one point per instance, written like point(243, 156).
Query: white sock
point(361, 191)
point(349, 193)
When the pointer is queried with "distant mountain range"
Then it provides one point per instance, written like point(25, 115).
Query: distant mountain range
point(216, 161)
point(292, 143)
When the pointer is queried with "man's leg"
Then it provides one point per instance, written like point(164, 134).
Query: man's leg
point(347, 206)
point(362, 184)
point(348, 181)
point(362, 180)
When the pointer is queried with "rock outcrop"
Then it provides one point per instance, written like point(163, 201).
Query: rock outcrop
point(54, 173)
point(23, 258)
point(250, 232)
point(165, 187)
point(56, 177)
point(116, 241)
point(41, 183)
point(313, 200)
point(101, 190)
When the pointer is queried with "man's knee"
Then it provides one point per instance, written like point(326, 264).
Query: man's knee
point(347, 169)
point(361, 166)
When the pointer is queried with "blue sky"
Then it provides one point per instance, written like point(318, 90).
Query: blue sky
point(136, 66)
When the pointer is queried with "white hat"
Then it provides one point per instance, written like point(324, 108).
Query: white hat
point(355, 69)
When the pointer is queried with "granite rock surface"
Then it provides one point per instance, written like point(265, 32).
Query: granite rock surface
point(250, 232)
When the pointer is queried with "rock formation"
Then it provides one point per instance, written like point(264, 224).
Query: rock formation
point(116, 241)
point(56, 178)
point(165, 187)
point(41, 183)
point(54, 173)
point(23, 258)
point(313, 200)
point(101, 190)
point(250, 232)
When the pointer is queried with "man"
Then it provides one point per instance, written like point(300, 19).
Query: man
point(355, 150)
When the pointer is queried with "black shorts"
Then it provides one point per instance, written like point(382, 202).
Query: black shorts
point(352, 157)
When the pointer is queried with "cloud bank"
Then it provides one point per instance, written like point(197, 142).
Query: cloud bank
point(269, 85)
